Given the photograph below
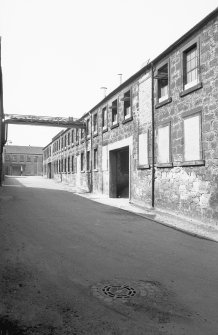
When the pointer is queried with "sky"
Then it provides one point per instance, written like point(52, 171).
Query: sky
point(57, 54)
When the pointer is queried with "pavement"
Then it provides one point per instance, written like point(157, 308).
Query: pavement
point(182, 223)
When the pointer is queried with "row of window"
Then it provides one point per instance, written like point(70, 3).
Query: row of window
point(190, 72)
point(190, 144)
point(21, 158)
point(69, 164)
point(73, 136)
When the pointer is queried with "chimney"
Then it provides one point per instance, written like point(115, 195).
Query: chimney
point(120, 75)
point(104, 89)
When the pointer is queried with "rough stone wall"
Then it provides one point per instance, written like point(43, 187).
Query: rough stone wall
point(192, 190)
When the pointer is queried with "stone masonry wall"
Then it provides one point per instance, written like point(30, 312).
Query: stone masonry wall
point(192, 190)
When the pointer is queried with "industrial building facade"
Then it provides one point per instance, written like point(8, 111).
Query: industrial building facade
point(154, 139)
point(22, 160)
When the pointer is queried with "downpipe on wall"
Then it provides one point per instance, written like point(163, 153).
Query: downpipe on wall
point(153, 137)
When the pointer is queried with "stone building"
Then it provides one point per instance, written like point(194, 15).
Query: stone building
point(154, 138)
point(23, 160)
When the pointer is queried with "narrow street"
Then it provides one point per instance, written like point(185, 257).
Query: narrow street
point(72, 266)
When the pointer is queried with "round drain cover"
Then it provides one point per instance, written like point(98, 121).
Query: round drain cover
point(121, 290)
point(118, 291)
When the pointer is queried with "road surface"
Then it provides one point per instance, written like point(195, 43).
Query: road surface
point(72, 266)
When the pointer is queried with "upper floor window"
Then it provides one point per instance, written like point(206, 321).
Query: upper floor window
point(104, 118)
point(68, 137)
point(127, 105)
point(21, 158)
point(65, 140)
point(35, 159)
point(77, 135)
point(7, 157)
point(190, 62)
point(82, 134)
point(114, 112)
point(95, 123)
point(72, 136)
point(190, 66)
point(163, 83)
point(28, 158)
point(88, 127)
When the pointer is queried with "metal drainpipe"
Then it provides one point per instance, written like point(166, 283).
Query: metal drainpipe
point(153, 135)
point(91, 172)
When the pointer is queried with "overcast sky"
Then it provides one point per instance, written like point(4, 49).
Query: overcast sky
point(56, 54)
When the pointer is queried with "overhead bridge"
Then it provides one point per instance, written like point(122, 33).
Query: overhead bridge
point(49, 121)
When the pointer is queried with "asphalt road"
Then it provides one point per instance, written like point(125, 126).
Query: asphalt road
point(72, 266)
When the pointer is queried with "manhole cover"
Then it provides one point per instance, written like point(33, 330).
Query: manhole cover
point(118, 291)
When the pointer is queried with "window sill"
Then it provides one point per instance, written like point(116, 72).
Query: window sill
point(127, 119)
point(162, 103)
point(95, 135)
point(143, 167)
point(104, 130)
point(95, 170)
point(83, 171)
point(115, 125)
point(191, 89)
point(164, 165)
point(193, 163)
point(88, 171)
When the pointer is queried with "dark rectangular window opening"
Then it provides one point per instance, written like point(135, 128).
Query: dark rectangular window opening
point(88, 127)
point(95, 159)
point(114, 112)
point(104, 118)
point(95, 128)
point(88, 160)
point(127, 105)
point(82, 161)
point(163, 83)
point(68, 164)
point(77, 135)
point(72, 164)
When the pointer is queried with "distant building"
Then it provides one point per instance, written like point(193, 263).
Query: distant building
point(22, 160)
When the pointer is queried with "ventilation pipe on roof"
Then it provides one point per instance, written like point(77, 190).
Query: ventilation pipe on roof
point(104, 91)
point(120, 77)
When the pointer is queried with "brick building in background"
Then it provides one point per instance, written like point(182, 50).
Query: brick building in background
point(22, 160)
point(154, 139)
